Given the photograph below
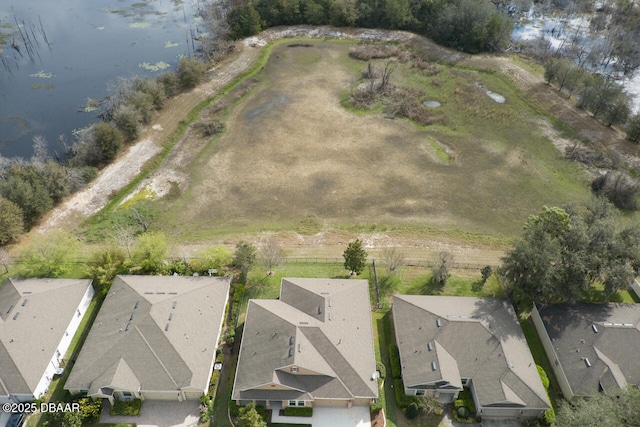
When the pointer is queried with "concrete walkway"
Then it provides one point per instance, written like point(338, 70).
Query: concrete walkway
point(356, 416)
point(158, 414)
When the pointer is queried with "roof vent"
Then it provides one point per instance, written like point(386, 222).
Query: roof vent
point(299, 348)
point(586, 362)
point(131, 317)
point(27, 292)
point(290, 351)
point(24, 302)
point(166, 328)
point(175, 303)
point(10, 308)
point(319, 309)
point(594, 328)
point(329, 302)
point(438, 323)
point(434, 366)
point(430, 346)
point(126, 328)
point(170, 316)
point(15, 316)
point(329, 316)
point(292, 340)
point(137, 304)
point(511, 365)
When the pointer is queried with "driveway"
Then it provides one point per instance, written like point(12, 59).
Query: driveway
point(325, 416)
point(158, 414)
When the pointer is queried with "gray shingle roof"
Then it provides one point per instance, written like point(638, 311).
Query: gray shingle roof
point(612, 351)
point(34, 315)
point(153, 333)
point(478, 338)
point(322, 327)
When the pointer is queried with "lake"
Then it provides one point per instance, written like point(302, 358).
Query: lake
point(73, 50)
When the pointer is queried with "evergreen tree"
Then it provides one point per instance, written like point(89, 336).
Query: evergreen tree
point(355, 257)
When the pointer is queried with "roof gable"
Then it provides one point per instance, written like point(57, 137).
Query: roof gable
point(606, 335)
point(36, 314)
point(320, 326)
point(153, 325)
point(473, 338)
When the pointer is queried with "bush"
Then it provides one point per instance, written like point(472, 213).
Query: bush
point(412, 410)
point(169, 82)
point(549, 417)
point(394, 358)
point(463, 412)
point(11, 223)
point(381, 369)
point(190, 72)
point(126, 408)
point(128, 119)
point(543, 376)
point(402, 399)
point(298, 411)
point(108, 139)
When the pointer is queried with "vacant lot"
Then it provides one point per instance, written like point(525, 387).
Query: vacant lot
point(291, 151)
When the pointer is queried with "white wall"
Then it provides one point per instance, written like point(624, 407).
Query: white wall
point(551, 354)
point(635, 285)
point(65, 342)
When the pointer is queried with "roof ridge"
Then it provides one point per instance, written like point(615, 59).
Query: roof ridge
point(156, 355)
point(346, 362)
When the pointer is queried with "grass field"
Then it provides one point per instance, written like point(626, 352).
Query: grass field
point(291, 151)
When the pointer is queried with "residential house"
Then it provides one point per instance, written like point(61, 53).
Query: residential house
point(592, 347)
point(311, 347)
point(38, 319)
point(155, 337)
point(449, 343)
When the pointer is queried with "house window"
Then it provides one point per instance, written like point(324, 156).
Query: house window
point(419, 392)
point(294, 369)
point(292, 403)
point(465, 381)
point(300, 402)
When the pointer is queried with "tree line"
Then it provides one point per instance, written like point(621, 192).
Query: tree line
point(468, 25)
point(600, 94)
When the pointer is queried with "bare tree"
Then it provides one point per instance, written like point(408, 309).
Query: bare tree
point(271, 254)
point(389, 68)
point(442, 263)
point(393, 258)
point(125, 237)
point(40, 150)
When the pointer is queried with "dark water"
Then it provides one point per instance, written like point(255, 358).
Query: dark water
point(91, 43)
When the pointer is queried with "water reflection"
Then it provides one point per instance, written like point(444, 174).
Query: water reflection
point(71, 50)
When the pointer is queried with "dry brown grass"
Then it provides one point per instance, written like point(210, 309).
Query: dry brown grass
point(291, 151)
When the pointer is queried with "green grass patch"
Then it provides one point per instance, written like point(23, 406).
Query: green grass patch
point(295, 411)
point(131, 408)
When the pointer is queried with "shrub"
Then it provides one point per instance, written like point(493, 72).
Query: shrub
point(108, 139)
point(543, 376)
point(128, 119)
point(381, 369)
point(169, 82)
point(190, 72)
point(126, 408)
point(394, 358)
point(402, 399)
point(412, 410)
point(298, 411)
point(549, 417)
point(11, 223)
point(463, 412)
